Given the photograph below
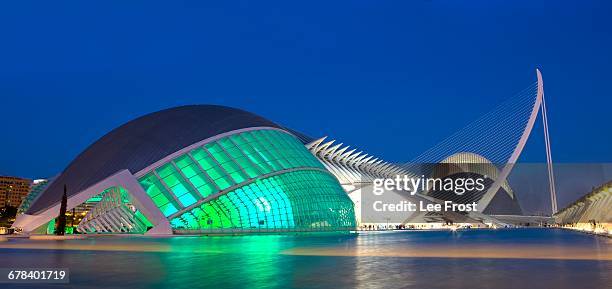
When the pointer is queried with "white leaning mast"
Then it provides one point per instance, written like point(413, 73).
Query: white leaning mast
point(549, 165)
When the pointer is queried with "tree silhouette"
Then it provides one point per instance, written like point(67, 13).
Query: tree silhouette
point(60, 228)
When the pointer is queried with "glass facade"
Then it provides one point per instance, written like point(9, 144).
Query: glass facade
point(299, 200)
point(111, 211)
point(263, 180)
point(34, 192)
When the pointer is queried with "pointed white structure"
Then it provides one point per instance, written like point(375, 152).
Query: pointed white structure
point(482, 141)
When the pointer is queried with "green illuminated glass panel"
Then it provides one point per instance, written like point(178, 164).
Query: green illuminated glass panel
point(256, 158)
point(305, 200)
point(270, 203)
point(177, 184)
point(158, 194)
point(168, 209)
point(142, 218)
point(211, 168)
point(195, 175)
point(225, 161)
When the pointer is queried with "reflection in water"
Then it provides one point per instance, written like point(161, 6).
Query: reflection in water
point(438, 259)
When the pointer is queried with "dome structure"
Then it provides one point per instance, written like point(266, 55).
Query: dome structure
point(197, 168)
point(467, 165)
point(142, 141)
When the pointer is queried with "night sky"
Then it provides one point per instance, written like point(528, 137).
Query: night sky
point(390, 77)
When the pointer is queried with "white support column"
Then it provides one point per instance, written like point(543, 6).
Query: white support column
point(503, 175)
point(549, 164)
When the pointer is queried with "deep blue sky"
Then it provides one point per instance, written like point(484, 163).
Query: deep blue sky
point(391, 77)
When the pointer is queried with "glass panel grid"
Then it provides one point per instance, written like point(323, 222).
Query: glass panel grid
point(298, 200)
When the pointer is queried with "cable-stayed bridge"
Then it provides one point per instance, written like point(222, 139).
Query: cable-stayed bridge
point(489, 146)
